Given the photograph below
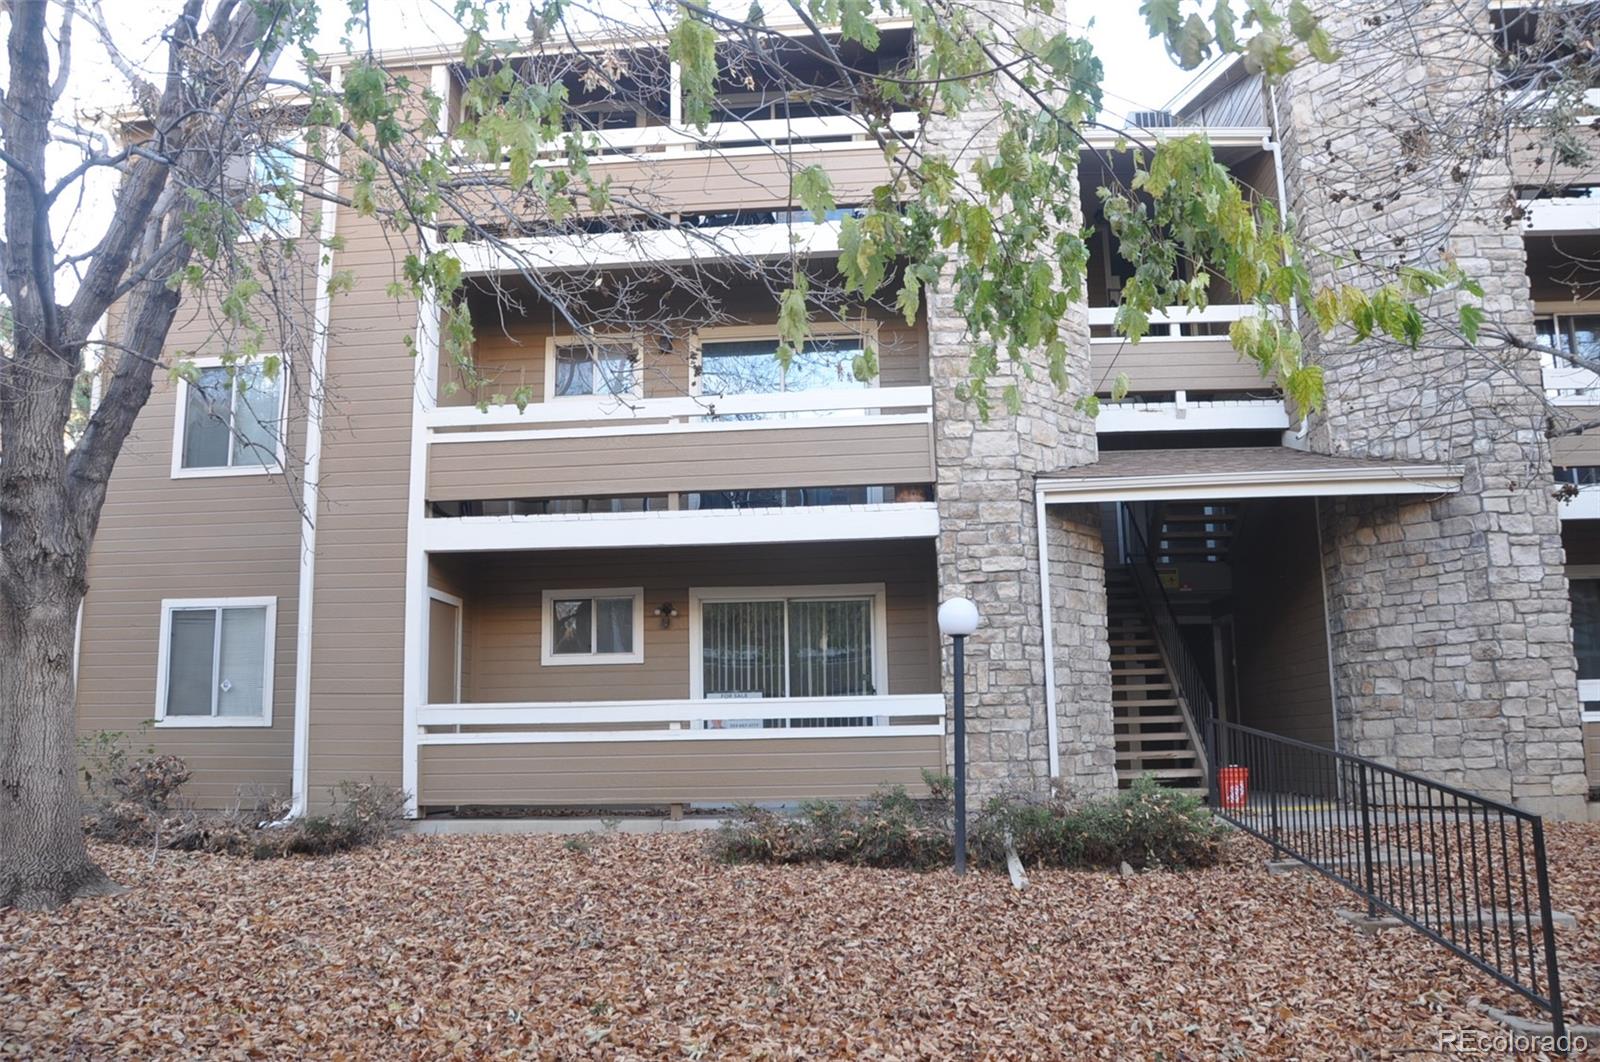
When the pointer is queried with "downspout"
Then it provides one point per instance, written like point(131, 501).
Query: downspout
point(1327, 625)
point(1047, 625)
point(1269, 143)
point(311, 479)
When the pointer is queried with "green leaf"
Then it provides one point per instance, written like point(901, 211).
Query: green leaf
point(813, 189)
point(1471, 319)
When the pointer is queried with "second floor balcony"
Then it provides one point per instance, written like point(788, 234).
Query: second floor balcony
point(678, 413)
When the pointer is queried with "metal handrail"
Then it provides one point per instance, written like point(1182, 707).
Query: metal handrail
point(1193, 696)
point(1466, 871)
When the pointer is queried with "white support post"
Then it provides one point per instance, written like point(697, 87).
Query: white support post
point(311, 480)
point(1047, 624)
point(414, 690)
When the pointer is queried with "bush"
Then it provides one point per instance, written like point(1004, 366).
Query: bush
point(891, 829)
point(134, 801)
point(1145, 826)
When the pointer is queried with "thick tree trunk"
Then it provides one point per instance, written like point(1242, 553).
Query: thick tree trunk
point(43, 860)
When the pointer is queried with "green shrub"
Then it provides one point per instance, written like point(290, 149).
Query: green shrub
point(1145, 826)
point(891, 829)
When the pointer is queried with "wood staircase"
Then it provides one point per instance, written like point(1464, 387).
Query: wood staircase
point(1195, 531)
point(1148, 720)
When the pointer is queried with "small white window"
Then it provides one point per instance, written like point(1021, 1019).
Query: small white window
point(216, 662)
point(593, 626)
point(229, 422)
point(593, 367)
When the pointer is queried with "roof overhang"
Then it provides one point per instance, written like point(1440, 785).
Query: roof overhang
point(1238, 473)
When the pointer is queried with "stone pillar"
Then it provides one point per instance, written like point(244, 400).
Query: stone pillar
point(1086, 738)
point(989, 541)
point(1449, 618)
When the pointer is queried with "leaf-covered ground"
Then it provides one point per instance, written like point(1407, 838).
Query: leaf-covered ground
point(640, 947)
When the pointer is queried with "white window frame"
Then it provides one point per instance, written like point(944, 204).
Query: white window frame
point(866, 331)
point(636, 392)
point(699, 596)
point(164, 661)
point(257, 231)
point(180, 419)
point(547, 655)
point(1586, 687)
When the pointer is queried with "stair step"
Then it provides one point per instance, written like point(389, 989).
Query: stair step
point(1159, 754)
point(1153, 702)
point(1120, 671)
point(1138, 687)
point(1163, 773)
point(1134, 656)
point(1147, 720)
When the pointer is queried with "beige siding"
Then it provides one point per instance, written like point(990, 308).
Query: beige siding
point(504, 603)
point(1281, 627)
point(510, 354)
point(712, 460)
point(1174, 365)
point(656, 772)
point(1534, 161)
point(717, 181)
point(1579, 450)
point(358, 654)
point(192, 537)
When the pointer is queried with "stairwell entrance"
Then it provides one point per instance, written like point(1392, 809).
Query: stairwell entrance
point(1215, 601)
point(1215, 609)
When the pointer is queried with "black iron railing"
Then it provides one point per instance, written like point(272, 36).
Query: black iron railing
point(1189, 683)
point(1467, 872)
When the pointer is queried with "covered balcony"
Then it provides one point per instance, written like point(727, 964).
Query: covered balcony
point(693, 675)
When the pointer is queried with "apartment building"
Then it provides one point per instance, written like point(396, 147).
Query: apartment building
point(682, 576)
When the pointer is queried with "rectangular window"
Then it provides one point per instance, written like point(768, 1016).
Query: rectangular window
point(230, 420)
point(1576, 334)
point(799, 642)
point(593, 626)
point(265, 190)
point(751, 366)
point(581, 368)
point(216, 661)
point(1586, 642)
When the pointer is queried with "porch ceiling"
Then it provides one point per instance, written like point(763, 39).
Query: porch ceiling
point(1241, 472)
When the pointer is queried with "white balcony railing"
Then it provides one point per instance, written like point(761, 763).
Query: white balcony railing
point(657, 142)
point(565, 417)
point(1561, 215)
point(658, 247)
point(742, 719)
point(1177, 322)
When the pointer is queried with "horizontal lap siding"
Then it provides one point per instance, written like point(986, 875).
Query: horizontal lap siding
point(205, 537)
point(719, 772)
point(712, 460)
point(1591, 753)
point(510, 355)
point(1535, 162)
point(504, 603)
point(1163, 365)
point(359, 619)
point(1567, 451)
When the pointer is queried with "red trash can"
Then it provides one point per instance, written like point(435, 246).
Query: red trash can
point(1234, 781)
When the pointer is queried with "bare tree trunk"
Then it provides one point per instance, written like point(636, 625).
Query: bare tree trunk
point(43, 563)
point(43, 859)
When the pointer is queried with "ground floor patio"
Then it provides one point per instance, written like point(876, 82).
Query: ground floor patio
point(641, 946)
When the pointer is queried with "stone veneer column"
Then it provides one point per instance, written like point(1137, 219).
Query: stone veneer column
point(989, 541)
point(1449, 617)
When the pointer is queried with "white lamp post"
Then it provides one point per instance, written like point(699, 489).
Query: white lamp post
point(958, 618)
